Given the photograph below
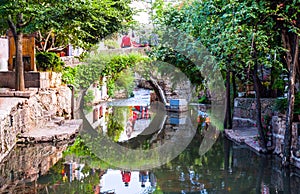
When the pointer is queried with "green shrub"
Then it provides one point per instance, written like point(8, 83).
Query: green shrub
point(48, 61)
point(111, 44)
point(281, 104)
point(88, 99)
point(297, 104)
point(68, 75)
point(125, 81)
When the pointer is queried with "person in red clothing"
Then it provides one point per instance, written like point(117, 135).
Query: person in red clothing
point(126, 42)
point(126, 177)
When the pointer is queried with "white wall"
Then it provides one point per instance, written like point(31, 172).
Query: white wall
point(3, 54)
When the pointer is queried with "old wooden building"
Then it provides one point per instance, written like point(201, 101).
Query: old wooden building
point(28, 52)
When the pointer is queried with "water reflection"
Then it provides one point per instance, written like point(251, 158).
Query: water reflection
point(221, 167)
point(20, 170)
point(120, 181)
point(226, 168)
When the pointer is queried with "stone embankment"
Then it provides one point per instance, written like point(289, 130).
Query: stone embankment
point(245, 131)
point(53, 131)
point(244, 128)
point(36, 110)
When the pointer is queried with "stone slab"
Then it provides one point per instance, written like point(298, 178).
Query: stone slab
point(19, 94)
point(7, 104)
point(52, 132)
point(245, 136)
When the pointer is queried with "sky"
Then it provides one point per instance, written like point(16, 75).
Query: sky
point(112, 180)
point(142, 17)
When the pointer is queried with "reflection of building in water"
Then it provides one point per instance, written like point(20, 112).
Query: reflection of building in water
point(97, 117)
point(139, 119)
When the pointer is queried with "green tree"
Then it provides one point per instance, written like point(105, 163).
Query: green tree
point(288, 20)
point(241, 36)
point(84, 23)
point(81, 22)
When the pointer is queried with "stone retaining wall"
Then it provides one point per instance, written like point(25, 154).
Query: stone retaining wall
point(24, 114)
point(278, 129)
point(244, 114)
point(32, 79)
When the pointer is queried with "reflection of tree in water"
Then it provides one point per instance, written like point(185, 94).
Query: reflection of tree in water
point(54, 183)
point(243, 172)
point(114, 129)
point(116, 122)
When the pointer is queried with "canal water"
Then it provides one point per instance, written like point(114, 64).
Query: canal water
point(202, 160)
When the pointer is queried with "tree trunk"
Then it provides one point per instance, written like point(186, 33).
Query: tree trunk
point(234, 85)
point(258, 110)
point(257, 88)
point(19, 67)
point(293, 63)
point(228, 120)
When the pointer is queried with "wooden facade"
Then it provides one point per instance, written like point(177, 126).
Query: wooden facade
point(28, 52)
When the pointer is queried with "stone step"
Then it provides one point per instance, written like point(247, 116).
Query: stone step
point(52, 132)
point(242, 122)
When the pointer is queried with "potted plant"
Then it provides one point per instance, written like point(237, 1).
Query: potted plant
point(241, 90)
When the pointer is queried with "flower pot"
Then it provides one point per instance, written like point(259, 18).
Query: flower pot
point(241, 94)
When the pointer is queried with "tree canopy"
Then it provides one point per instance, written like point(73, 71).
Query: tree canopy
point(58, 23)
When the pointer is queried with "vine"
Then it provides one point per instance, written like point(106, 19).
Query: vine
point(97, 66)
